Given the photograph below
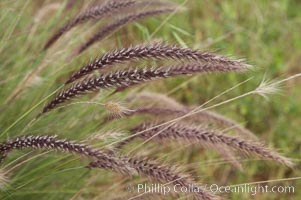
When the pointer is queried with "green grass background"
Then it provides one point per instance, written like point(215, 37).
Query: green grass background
point(265, 33)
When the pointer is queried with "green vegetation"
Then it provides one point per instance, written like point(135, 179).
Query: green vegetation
point(265, 33)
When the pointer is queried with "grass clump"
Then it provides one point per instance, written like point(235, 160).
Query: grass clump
point(35, 81)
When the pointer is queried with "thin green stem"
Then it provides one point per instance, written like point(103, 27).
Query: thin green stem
point(28, 112)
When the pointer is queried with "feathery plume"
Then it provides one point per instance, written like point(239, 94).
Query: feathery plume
point(152, 110)
point(166, 174)
point(111, 28)
point(224, 121)
point(211, 137)
point(157, 51)
point(204, 116)
point(116, 110)
point(221, 149)
point(52, 142)
point(268, 87)
point(126, 78)
point(168, 106)
point(95, 12)
point(121, 164)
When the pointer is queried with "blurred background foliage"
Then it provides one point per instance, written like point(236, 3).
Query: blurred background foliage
point(265, 33)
